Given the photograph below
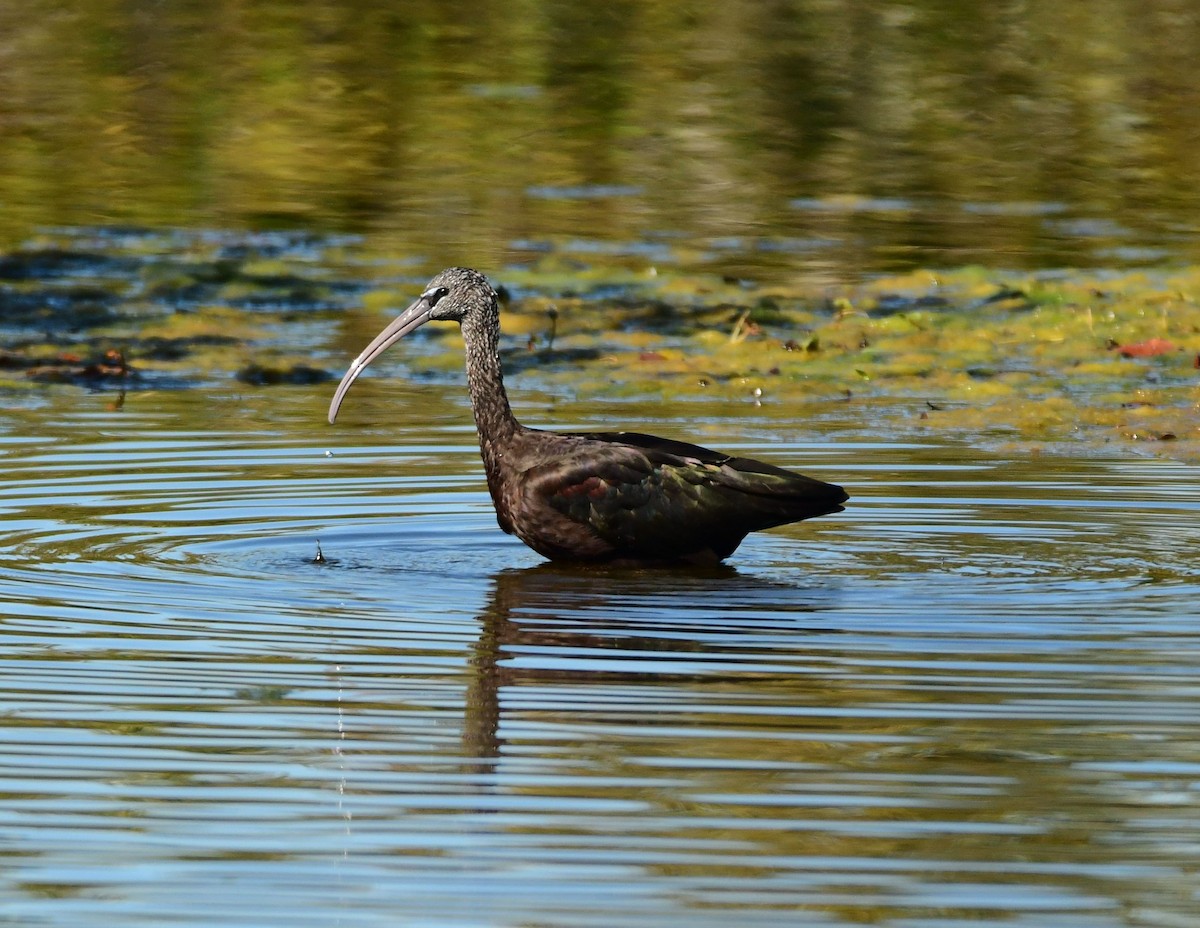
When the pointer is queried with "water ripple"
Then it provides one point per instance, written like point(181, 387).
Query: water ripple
point(969, 698)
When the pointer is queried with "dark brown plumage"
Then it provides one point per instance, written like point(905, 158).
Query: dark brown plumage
point(599, 496)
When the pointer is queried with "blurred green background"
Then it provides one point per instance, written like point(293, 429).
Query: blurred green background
point(856, 136)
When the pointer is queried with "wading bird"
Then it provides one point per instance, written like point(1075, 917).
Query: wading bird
point(615, 497)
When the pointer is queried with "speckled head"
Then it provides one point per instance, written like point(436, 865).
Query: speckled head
point(457, 291)
point(457, 294)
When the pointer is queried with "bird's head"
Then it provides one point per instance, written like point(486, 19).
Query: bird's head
point(457, 294)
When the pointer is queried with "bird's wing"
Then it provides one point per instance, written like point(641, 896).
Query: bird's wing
point(654, 497)
point(654, 445)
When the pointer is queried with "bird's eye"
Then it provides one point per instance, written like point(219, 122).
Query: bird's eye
point(433, 296)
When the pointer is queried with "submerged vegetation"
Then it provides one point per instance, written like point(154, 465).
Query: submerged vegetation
point(710, 197)
point(1032, 359)
point(1020, 358)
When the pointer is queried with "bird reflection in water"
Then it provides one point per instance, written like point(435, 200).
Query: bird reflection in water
point(553, 625)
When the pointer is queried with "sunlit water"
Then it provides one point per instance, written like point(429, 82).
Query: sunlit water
point(971, 698)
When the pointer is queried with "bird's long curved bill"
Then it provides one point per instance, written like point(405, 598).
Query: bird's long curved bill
point(412, 318)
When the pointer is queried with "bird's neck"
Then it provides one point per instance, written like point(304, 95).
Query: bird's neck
point(494, 419)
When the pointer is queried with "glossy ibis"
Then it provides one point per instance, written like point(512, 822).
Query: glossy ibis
point(598, 496)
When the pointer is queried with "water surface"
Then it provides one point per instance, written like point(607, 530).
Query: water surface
point(837, 138)
point(969, 699)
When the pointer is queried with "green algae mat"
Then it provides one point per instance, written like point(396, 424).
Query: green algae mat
point(1050, 361)
point(1068, 361)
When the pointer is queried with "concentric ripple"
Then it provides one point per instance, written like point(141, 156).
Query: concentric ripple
point(970, 699)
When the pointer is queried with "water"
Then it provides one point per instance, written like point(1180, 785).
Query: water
point(841, 140)
point(969, 699)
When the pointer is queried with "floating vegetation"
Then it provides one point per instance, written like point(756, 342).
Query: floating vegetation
point(140, 309)
point(1034, 359)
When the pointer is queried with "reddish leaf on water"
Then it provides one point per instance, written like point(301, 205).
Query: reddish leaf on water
point(651, 356)
point(1147, 349)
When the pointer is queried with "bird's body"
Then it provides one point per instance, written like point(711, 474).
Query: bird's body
point(602, 496)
